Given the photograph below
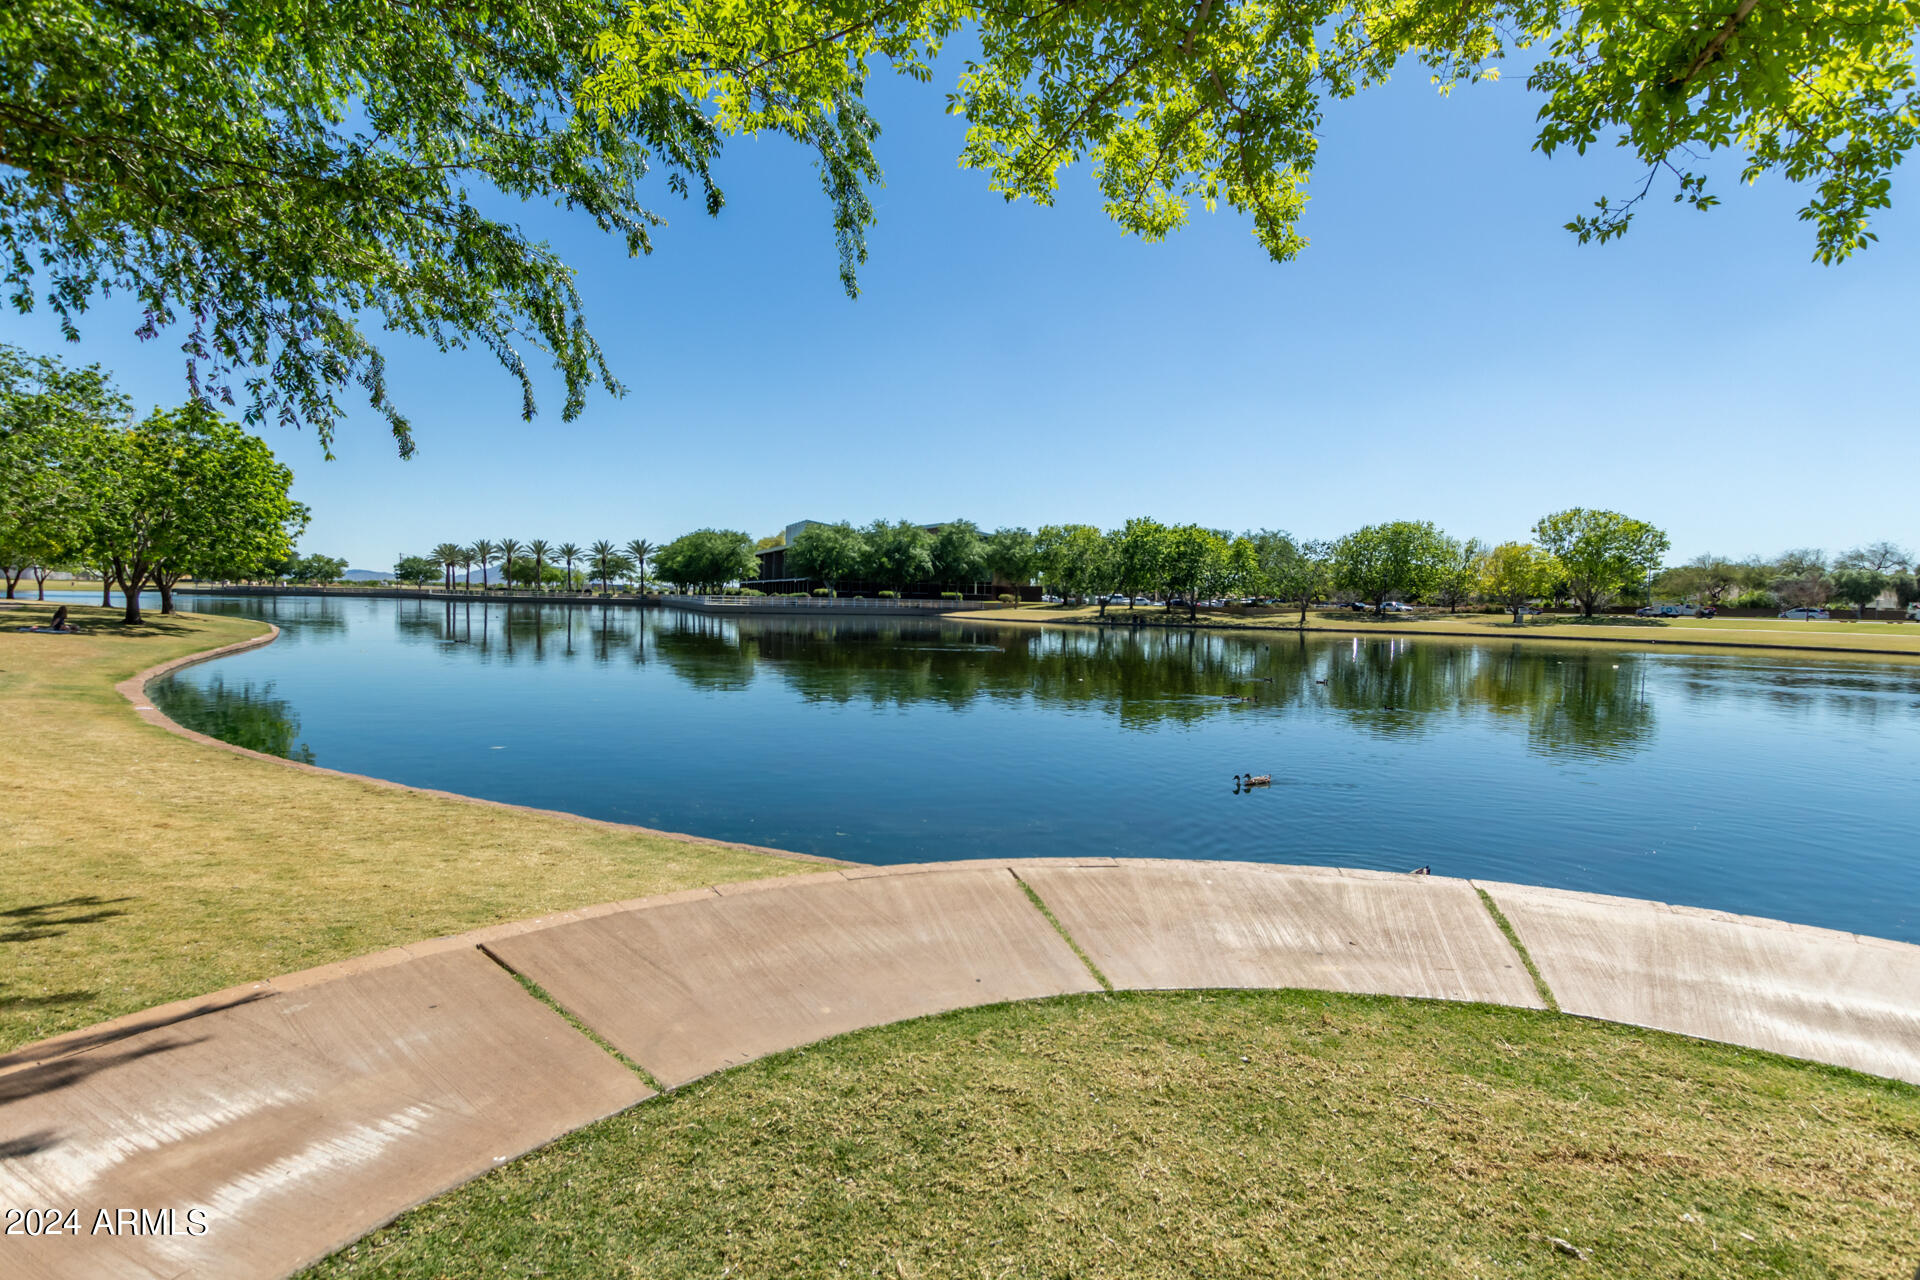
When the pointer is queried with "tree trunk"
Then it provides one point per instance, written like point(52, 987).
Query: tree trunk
point(130, 588)
point(165, 583)
point(106, 587)
point(12, 577)
point(40, 580)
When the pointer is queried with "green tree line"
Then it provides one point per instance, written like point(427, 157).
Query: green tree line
point(87, 487)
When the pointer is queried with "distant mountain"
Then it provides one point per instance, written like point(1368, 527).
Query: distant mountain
point(366, 575)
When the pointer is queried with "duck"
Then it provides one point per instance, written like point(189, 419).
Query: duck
point(1252, 780)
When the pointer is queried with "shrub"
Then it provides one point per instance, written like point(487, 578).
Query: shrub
point(1754, 600)
point(821, 591)
point(888, 595)
point(1007, 599)
point(951, 595)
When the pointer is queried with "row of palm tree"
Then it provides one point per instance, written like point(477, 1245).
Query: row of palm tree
point(603, 559)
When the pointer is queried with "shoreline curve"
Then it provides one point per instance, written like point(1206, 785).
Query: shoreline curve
point(134, 690)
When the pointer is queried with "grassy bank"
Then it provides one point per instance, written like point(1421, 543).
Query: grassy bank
point(142, 867)
point(1896, 640)
point(1271, 1134)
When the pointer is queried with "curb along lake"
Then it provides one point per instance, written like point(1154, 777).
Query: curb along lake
point(1758, 783)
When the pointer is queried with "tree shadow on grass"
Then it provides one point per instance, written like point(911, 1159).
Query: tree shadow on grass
point(64, 1073)
point(92, 620)
point(11, 1004)
point(41, 920)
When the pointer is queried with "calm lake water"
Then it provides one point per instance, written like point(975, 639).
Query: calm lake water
point(1757, 783)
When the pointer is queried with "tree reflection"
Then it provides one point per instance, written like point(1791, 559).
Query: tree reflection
point(249, 716)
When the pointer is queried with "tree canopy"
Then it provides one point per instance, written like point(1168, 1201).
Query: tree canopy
point(707, 558)
point(1401, 558)
point(268, 177)
point(1602, 553)
point(899, 553)
point(272, 181)
point(829, 552)
point(1223, 101)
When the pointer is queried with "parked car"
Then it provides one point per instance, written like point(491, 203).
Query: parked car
point(1525, 610)
point(1050, 600)
point(1361, 606)
point(1816, 615)
point(1913, 612)
point(1395, 606)
point(1667, 611)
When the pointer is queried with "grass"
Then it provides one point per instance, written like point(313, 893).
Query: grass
point(1260, 1135)
point(1894, 640)
point(142, 867)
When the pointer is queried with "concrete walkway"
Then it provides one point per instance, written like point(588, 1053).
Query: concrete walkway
point(261, 1128)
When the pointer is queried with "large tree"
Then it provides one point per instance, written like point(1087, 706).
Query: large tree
point(899, 553)
point(1859, 586)
point(1139, 556)
point(708, 559)
point(959, 554)
point(1602, 553)
point(1459, 572)
point(829, 552)
point(1301, 572)
point(1192, 559)
point(1517, 573)
point(1075, 560)
point(1403, 558)
point(1222, 101)
point(1879, 557)
point(1011, 557)
point(47, 412)
point(185, 492)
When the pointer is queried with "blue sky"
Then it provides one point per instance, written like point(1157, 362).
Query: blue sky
point(1443, 350)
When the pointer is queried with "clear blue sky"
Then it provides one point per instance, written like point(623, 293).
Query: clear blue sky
point(1443, 351)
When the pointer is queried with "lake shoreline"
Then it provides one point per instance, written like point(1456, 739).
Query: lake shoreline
point(1395, 630)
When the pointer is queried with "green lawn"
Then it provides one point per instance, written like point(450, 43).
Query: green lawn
point(1259, 1135)
point(142, 867)
point(1893, 639)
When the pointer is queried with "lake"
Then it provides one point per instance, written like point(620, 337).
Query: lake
point(1773, 785)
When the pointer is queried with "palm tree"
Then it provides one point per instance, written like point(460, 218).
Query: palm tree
point(638, 550)
point(484, 554)
point(600, 559)
point(568, 552)
point(508, 550)
point(539, 550)
point(466, 566)
point(448, 554)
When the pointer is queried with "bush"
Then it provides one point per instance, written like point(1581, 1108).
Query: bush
point(1754, 600)
point(951, 595)
point(1007, 599)
point(821, 591)
point(888, 595)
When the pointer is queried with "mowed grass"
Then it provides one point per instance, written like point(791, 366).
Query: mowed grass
point(1893, 639)
point(1260, 1135)
point(141, 867)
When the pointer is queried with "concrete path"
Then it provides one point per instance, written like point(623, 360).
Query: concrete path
point(1789, 988)
point(1159, 925)
point(261, 1128)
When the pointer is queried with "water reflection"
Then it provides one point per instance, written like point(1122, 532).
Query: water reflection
point(247, 716)
point(1690, 777)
